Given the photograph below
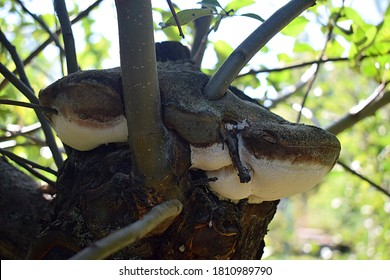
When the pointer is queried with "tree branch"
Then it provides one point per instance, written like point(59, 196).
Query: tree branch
point(294, 66)
point(286, 92)
point(22, 87)
point(309, 87)
point(52, 35)
point(67, 35)
point(172, 9)
point(19, 159)
point(379, 98)
point(202, 26)
point(147, 134)
point(23, 131)
point(307, 63)
point(364, 178)
point(318, 65)
point(218, 84)
point(41, 47)
point(15, 57)
point(50, 140)
point(28, 105)
point(29, 166)
point(103, 248)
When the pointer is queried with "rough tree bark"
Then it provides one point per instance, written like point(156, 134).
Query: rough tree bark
point(96, 197)
point(23, 210)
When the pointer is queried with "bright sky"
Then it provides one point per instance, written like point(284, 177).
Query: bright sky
point(232, 30)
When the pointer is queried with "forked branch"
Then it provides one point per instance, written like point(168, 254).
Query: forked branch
point(219, 83)
point(141, 94)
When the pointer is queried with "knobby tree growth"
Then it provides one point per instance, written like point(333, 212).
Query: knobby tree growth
point(85, 204)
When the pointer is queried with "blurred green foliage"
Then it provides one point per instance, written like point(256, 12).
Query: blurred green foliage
point(342, 218)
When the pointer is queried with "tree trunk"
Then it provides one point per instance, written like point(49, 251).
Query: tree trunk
point(22, 212)
point(96, 196)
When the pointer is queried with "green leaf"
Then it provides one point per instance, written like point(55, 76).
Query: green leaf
point(217, 23)
point(245, 81)
point(211, 4)
point(186, 16)
point(351, 14)
point(284, 58)
point(251, 15)
point(223, 50)
point(296, 27)
point(238, 4)
point(334, 49)
point(345, 27)
point(375, 67)
point(300, 47)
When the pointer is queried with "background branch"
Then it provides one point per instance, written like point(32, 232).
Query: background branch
point(41, 47)
point(202, 30)
point(18, 159)
point(309, 87)
point(379, 98)
point(67, 35)
point(286, 92)
point(364, 178)
point(219, 83)
point(318, 65)
point(28, 105)
point(42, 23)
point(172, 9)
point(7, 142)
point(16, 59)
point(308, 63)
point(29, 166)
point(22, 131)
point(28, 92)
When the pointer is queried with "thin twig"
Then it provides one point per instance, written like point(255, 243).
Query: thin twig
point(15, 57)
point(19, 159)
point(308, 63)
point(23, 131)
point(202, 30)
point(23, 163)
point(379, 98)
point(175, 18)
point(22, 87)
point(364, 178)
point(218, 84)
point(103, 248)
point(41, 47)
point(308, 89)
point(42, 23)
point(294, 66)
point(318, 65)
point(67, 35)
point(29, 105)
point(36, 143)
point(50, 140)
point(288, 91)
